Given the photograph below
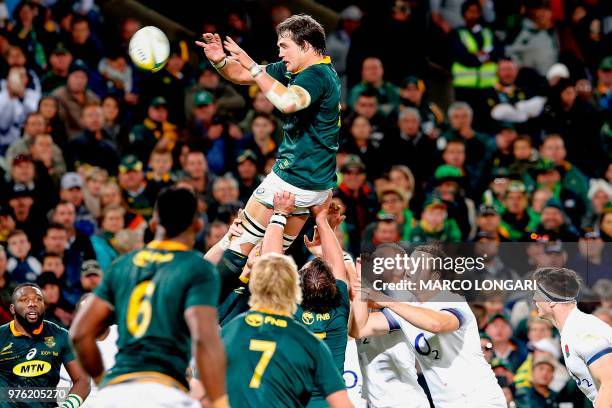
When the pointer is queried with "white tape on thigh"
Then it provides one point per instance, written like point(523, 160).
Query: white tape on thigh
point(253, 233)
point(288, 240)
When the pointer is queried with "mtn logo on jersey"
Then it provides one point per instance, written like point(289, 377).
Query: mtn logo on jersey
point(32, 368)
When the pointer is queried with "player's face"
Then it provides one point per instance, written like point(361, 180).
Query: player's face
point(543, 306)
point(289, 52)
point(28, 307)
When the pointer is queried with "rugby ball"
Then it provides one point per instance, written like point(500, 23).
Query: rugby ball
point(149, 49)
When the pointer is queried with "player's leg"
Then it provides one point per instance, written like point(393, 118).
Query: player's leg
point(292, 229)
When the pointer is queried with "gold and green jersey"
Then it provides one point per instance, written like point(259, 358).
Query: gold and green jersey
point(274, 361)
point(150, 290)
point(32, 361)
point(307, 154)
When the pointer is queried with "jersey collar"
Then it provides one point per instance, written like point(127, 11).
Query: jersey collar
point(271, 311)
point(325, 60)
point(168, 245)
point(17, 333)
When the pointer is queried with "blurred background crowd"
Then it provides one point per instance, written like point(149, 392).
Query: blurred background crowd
point(481, 121)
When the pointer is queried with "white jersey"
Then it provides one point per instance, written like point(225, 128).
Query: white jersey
point(584, 339)
point(457, 374)
point(389, 374)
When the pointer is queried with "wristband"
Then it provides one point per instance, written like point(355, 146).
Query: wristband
point(244, 279)
point(225, 242)
point(279, 219)
point(255, 70)
point(73, 401)
point(219, 65)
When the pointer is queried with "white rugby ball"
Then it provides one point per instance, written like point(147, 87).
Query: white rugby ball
point(149, 49)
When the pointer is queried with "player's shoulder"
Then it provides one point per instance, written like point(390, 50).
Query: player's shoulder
point(586, 325)
point(53, 329)
point(195, 263)
point(4, 330)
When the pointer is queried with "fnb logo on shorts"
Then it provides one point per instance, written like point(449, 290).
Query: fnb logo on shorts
point(32, 368)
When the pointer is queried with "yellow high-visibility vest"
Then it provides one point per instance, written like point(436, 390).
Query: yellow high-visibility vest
point(481, 77)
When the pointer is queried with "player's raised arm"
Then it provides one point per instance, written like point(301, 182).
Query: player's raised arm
point(90, 321)
point(601, 370)
point(431, 320)
point(208, 352)
point(284, 205)
point(330, 247)
point(215, 253)
point(228, 68)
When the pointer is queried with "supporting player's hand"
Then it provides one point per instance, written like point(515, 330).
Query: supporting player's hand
point(335, 215)
point(236, 229)
point(322, 210)
point(238, 54)
point(284, 203)
point(213, 49)
point(314, 245)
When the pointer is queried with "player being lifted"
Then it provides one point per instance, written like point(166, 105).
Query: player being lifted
point(163, 298)
point(306, 88)
point(586, 341)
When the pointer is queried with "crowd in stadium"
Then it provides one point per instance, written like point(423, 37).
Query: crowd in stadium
point(522, 153)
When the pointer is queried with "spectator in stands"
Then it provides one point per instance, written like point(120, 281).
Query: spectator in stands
point(517, 220)
point(34, 125)
point(74, 96)
point(385, 231)
point(71, 192)
point(372, 78)
point(488, 222)
point(449, 182)
point(44, 151)
point(6, 289)
point(592, 260)
point(539, 395)
point(113, 125)
point(113, 219)
point(160, 166)
point(138, 195)
point(600, 193)
point(154, 131)
point(52, 262)
point(56, 76)
point(260, 140)
point(338, 42)
point(196, 169)
point(261, 104)
point(49, 109)
point(412, 95)
point(505, 347)
point(603, 90)
point(394, 203)
point(553, 223)
point(366, 105)
point(82, 44)
point(95, 178)
point(605, 223)
point(21, 266)
point(117, 73)
point(360, 143)
point(435, 225)
point(525, 157)
point(27, 214)
point(56, 308)
point(227, 99)
point(225, 192)
point(93, 145)
point(91, 275)
point(247, 173)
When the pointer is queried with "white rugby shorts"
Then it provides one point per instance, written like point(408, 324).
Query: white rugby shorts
point(142, 394)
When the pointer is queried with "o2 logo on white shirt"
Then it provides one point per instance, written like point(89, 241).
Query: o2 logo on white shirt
point(425, 349)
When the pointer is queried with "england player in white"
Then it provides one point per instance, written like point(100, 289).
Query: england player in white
point(443, 334)
point(586, 341)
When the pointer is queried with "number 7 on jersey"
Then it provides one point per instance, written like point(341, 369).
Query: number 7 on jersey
point(268, 348)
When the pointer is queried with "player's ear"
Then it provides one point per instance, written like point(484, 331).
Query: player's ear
point(153, 224)
point(12, 309)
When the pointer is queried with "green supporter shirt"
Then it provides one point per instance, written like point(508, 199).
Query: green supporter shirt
point(150, 290)
point(274, 361)
point(32, 361)
point(449, 233)
point(307, 154)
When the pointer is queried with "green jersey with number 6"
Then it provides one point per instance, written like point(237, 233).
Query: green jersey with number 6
point(307, 154)
point(274, 361)
point(150, 289)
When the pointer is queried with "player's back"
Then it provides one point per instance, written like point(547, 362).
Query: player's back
point(274, 361)
point(150, 290)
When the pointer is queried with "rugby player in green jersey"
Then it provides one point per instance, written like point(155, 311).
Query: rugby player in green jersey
point(306, 88)
point(274, 361)
point(163, 298)
point(32, 351)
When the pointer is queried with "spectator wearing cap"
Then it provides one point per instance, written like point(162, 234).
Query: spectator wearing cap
point(6, 289)
point(25, 214)
point(93, 146)
point(113, 221)
point(578, 123)
point(505, 347)
point(557, 72)
point(605, 223)
point(539, 395)
point(394, 203)
point(338, 42)
point(449, 185)
point(554, 224)
point(488, 222)
point(498, 187)
point(372, 78)
point(408, 145)
point(137, 194)
point(227, 98)
point(536, 46)
point(412, 95)
point(58, 69)
point(74, 96)
point(475, 52)
point(553, 149)
point(83, 44)
point(71, 192)
point(359, 142)
point(603, 90)
point(517, 219)
point(359, 199)
point(91, 275)
point(155, 130)
point(592, 262)
point(548, 176)
point(56, 308)
point(16, 102)
point(248, 174)
point(435, 225)
point(21, 266)
point(599, 194)
point(160, 174)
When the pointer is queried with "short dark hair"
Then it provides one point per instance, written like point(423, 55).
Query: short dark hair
point(176, 208)
point(55, 225)
point(319, 292)
point(21, 286)
point(469, 3)
point(50, 255)
point(524, 137)
point(559, 281)
point(15, 233)
point(303, 29)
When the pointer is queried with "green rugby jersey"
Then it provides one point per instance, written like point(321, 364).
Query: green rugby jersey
point(307, 154)
point(273, 361)
point(32, 361)
point(332, 328)
point(150, 289)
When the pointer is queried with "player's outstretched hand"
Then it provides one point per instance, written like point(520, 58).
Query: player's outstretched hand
point(236, 229)
point(237, 53)
point(314, 245)
point(284, 203)
point(322, 210)
point(213, 49)
point(335, 216)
